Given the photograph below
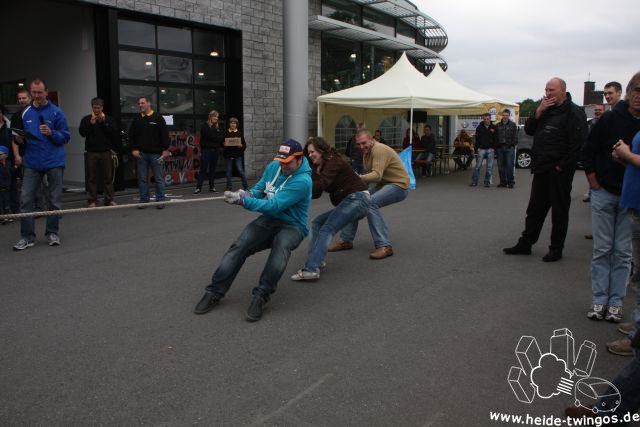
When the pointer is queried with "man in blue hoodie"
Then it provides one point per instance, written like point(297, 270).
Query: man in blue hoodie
point(282, 196)
point(46, 133)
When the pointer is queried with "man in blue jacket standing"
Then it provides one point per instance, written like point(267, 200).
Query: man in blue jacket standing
point(46, 133)
point(282, 196)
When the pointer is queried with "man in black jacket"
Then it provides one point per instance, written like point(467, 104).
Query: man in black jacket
point(98, 130)
point(611, 224)
point(486, 144)
point(149, 142)
point(559, 130)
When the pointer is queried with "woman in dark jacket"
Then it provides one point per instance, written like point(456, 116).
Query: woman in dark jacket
point(348, 193)
point(234, 146)
point(211, 139)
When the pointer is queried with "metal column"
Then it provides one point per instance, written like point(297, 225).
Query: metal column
point(296, 69)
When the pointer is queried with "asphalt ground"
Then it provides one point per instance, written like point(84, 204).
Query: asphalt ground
point(100, 330)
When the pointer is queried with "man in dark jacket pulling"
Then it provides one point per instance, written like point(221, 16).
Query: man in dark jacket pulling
point(559, 130)
point(98, 130)
point(149, 141)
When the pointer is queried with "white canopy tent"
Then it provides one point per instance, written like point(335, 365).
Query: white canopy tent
point(403, 88)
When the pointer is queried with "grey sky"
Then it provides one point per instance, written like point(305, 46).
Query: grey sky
point(509, 49)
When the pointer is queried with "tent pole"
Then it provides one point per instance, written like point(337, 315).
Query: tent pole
point(411, 128)
point(319, 124)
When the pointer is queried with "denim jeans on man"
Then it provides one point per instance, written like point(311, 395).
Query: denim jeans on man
point(352, 208)
point(381, 196)
point(611, 261)
point(153, 160)
point(237, 163)
point(208, 163)
point(30, 186)
point(260, 234)
point(488, 154)
point(506, 158)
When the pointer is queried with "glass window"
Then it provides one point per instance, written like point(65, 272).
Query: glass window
point(171, 38)
point(130, 94)
point(340, 64)
point(134, 33)
point(209, 72)
point(210, 99)
point(405, 32)
point(345, 130)
point(137, 66)
point(341, 10)
point(174, 69)
point(379, 22)
point(382, 61)
point(176, 100)
point(210, 44)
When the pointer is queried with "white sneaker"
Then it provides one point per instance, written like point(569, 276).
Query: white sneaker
point(53, 239)
point(596, 312)
point(23, 244)
point(305, 275)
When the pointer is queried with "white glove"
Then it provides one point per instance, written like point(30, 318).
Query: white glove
point(234, 197)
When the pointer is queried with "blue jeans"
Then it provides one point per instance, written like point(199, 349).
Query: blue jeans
point(483, 154)
point(425, 155)
point(353, 208)
point(208, 162)
point(260, 234)
point(153, 160)
point(237, 163)
point(381, 196)
point(506, 158)
point(635, 279)
point(628, 384)
point(30, 185)
point(611, 261)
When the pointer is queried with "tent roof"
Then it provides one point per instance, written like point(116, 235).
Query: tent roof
point(403, 86)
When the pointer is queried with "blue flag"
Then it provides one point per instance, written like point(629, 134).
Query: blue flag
point(405, 156)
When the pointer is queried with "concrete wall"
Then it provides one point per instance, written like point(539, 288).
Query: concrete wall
point(54, 41)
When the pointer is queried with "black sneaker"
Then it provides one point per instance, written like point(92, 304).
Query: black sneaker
point(213, 190)
point(254, 313)
point(552, 256)
point(519, 249)
point(208, 301)
point(197, 191)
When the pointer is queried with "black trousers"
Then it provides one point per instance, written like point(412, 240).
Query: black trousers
point(549, 190)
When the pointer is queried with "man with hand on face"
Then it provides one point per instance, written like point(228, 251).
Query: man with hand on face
point(559, 130)
point(98, 130)
point(282, 196)
point(149, 142)
point(46, 134)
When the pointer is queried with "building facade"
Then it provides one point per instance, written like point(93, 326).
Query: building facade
point(192, 56)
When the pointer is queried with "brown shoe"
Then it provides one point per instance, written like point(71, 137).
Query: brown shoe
point(620, 347)
point(340, 245)
point(625, 328)
point(381, 252)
